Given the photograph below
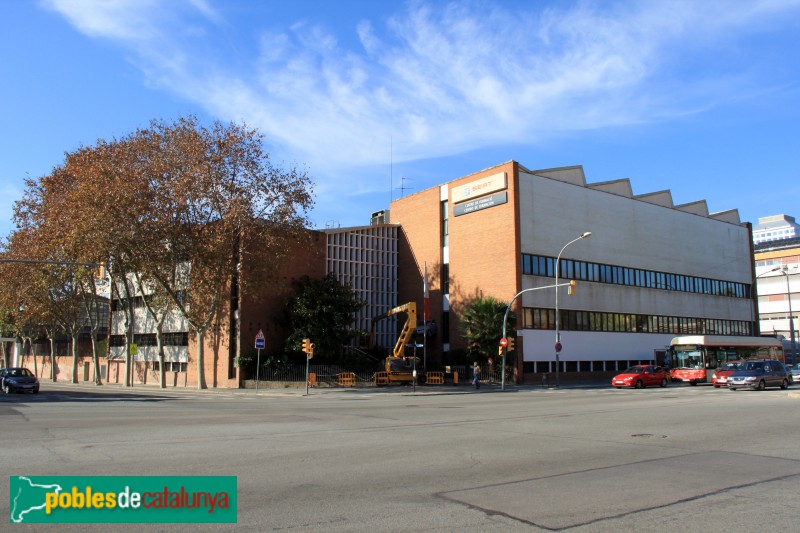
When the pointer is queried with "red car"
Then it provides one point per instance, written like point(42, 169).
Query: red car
point(720, 378)
point(640, 376)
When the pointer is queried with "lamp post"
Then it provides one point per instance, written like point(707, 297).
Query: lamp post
point(791, 314)
point(558, 336)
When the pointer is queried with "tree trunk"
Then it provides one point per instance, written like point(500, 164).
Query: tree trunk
point(201, 373)
point(52, 359)
point(74, 358)
point(30, 347)
point(160, 348)
point(96, 357)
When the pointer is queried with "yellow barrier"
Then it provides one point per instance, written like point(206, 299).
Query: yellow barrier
point(434, 378)
point(347, 379)
point(381, 378)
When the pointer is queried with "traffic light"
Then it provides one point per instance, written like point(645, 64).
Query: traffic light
point(511, 344)
point(572, 285)
point(308, 348)
point(500, 351)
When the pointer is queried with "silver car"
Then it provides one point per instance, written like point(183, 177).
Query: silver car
point(760, 374)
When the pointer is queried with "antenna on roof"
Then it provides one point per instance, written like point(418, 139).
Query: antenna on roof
point(391, 169)
point(403, 187)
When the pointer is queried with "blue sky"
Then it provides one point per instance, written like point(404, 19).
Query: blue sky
point(702, 98)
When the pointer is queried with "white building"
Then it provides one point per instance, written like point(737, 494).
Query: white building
point(651, 270)
point(778, 277)
point(774, 228)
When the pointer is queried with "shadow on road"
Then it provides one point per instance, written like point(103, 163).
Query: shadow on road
point(85, 396)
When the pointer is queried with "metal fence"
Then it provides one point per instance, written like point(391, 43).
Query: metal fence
point(328, 374)
point(324, 373)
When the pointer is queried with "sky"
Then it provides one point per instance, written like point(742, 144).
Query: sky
point(377, 100)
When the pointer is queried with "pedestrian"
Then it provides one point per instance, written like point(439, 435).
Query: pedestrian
point(476, 375)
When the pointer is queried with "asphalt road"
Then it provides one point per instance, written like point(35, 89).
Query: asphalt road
point(581, 459)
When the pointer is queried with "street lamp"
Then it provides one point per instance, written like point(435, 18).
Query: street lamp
point(791, 314)
point(558, 337)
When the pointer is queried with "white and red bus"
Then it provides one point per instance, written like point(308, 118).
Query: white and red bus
point(695, 358)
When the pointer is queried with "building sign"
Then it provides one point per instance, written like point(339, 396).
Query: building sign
point(480, 203)
point(481, 187)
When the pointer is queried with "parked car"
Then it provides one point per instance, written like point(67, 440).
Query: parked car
point(640, 376)
point(795, 374)
point(722, 374)
point(18, 380)
point(760, 374)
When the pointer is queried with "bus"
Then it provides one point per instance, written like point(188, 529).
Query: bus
point(695, 358)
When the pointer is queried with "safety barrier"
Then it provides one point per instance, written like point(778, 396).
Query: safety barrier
point(434, 378)
point(312, 379)
point(382, 378)
point(347, 379)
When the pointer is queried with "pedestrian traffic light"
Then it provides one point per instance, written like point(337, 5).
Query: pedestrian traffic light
point(572, 285)
point(511, 344)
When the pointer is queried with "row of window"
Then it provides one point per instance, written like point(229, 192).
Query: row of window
point(539, 265)
point(149, 339)
point(569, 319)
point(546, 367)
point(170, 366)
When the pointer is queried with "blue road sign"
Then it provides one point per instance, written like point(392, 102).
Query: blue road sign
point(260, 342)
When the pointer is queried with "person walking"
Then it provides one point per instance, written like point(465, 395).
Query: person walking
point(476, 375)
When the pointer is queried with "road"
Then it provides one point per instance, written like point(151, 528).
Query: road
point(572, 459)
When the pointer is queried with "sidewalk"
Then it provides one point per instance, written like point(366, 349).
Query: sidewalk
point(421, 390)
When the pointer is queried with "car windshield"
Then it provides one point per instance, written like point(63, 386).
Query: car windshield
point(19, 373)
point(754, 365)
point(634, 370)
point(732, 366)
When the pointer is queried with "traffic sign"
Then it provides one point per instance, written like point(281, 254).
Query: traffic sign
point(558, 347)
point(260, 342)
point(503, 342)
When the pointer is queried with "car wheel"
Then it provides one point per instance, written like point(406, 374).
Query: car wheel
point(716, 386)
point(663, 382)
point(619, 387)
point(784, 384)
point(36, 391)
point(692, 383)
point(762, 385)
point(639, 384)
point(732, 388)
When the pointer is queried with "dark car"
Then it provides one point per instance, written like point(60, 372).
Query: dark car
point(760, 374)
point(640, 376)
point(18, 380)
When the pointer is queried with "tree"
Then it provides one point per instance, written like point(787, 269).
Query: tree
point(183, 206)
point(216, 202)
point(322, 310)
point(481, 323)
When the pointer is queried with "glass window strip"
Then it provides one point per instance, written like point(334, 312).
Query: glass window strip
point(537, 265)
point(602, 321)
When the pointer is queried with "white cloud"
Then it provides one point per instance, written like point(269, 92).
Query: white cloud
point(435, 79)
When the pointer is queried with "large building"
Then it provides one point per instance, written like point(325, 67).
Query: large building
point(650, 270)
point(775, 228)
